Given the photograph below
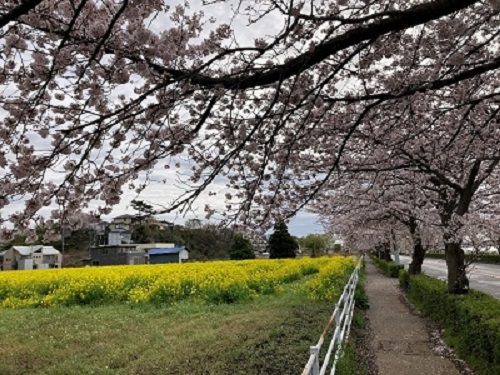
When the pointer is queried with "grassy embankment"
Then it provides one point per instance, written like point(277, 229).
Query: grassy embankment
point(270, 335)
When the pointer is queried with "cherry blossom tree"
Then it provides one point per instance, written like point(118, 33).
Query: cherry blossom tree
point(449, 141)
point(383, 203)
point(98, 94)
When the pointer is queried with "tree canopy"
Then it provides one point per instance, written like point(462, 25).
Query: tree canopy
point(286, 100)
point(316, 244)
point(101, 93)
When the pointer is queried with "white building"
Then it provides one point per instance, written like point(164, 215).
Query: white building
point(119, 237)
point(30, 257)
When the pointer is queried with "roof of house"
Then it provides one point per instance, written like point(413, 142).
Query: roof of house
point(28, 250)
point(2, 253)
point(117, 246)
point(49, 250)
point(165, 251)
point(166, 222)
point(126, 216)
point(119, 230)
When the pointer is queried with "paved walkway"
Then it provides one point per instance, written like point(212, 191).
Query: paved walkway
point(400, 339)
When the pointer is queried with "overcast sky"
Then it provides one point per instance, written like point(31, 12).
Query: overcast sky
point(303, 223)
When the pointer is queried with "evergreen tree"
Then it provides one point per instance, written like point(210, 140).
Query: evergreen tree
point(142, 234)
point(281, 243)
point(144, 208)
point(241, 248)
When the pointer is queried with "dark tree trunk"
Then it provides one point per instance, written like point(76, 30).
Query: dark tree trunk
point(385, 251)
point(455, 260)
point(418, 249)
point(417, 258)
point(457, 203)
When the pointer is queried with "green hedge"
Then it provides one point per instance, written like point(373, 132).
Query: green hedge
point(360, 297)
point(404, 279)
point(388, 268)
point(484, 258)
point(471, 322)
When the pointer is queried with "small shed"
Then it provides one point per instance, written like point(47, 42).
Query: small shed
point(175, 254)
point(116, 254)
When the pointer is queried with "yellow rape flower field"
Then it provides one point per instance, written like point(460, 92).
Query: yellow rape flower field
point(211, 282)
point(224, 317)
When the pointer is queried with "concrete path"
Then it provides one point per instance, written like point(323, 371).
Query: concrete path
point(483, 277)
point(400, 339)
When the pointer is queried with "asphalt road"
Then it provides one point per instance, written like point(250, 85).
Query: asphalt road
point(483, 277)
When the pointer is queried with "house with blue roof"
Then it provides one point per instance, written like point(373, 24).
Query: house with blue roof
point(175, 254)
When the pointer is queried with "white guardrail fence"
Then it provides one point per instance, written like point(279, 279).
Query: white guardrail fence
point(341, 322)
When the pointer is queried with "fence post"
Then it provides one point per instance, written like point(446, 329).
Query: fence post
point(314, 350)
point(337, 314)
point(342, 316)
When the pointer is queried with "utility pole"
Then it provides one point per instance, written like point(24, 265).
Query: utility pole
point(61, 203)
